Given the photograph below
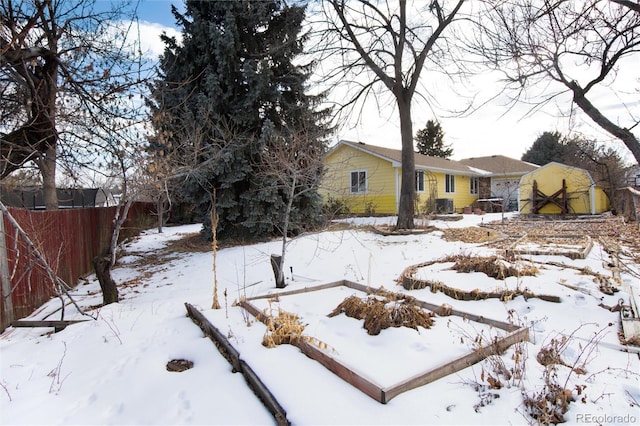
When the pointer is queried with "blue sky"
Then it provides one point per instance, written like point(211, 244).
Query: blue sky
point(159, 11)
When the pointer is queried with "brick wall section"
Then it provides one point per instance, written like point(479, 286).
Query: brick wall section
point(69, 239)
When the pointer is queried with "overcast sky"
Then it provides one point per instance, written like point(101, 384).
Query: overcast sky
point(491, 130)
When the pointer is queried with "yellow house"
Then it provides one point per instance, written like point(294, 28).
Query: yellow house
point(556, 188)
point(366, 178)
point(502, 181)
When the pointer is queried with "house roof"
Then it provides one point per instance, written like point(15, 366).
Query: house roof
point(423, 162)
point(500, 165)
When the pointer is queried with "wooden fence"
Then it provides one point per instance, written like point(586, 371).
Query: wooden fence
point(628, 204)
point(68, 239)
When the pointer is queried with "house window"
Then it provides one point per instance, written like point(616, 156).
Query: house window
point(358, 181)
point(449, 184)
point(420, 181)
point(473, 185)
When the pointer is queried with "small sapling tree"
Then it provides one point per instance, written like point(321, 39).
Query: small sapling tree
point(292, 162)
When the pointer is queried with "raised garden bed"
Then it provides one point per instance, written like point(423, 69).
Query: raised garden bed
point(571, 246)
point(453, 343)
point(492, 267)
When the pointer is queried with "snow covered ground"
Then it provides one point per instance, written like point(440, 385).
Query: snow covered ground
point(112, 370)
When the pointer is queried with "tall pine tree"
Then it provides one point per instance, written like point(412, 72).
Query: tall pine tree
point(546, 148)
point(430, 141)
point(225, 91)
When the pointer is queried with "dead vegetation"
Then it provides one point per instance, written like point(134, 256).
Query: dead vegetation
point(472, 235)
point(381, 312)
point(607, 285)
point(190, 243)
point(387, 230)
point(561, 226)
point(491, 266)
point(549, 405)
point(567, 236)
point(283, 328)
point(179, 365)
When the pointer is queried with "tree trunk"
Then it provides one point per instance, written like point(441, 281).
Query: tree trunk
point(277, 262)
point(102, 266)
point(407, 188)
point(160, 212)
point(5, 277)
point(47, 166)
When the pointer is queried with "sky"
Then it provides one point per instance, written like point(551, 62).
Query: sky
point(494, 129)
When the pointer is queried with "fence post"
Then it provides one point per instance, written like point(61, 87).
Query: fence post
point(4, 275)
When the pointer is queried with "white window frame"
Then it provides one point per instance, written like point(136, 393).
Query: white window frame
point(361, 187)
point(419, 180)
point(449, 184)
point(474, 185)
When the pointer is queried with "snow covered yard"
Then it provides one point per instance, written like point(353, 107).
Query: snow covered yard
point(112, 370)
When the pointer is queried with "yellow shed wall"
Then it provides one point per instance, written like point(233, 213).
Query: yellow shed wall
point(602, 201)
point(549, 180)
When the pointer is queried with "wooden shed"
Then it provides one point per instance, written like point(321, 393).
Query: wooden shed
point(556, 188)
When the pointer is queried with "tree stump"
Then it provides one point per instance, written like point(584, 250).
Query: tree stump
point(102, 266)
point(277, 271)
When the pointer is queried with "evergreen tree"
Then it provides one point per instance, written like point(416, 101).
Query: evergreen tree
point(547, 148)
point(430, 141)
point(224, 92)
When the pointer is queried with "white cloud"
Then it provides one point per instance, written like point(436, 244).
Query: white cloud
point(150, 41)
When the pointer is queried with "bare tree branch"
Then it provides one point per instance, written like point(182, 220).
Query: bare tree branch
point(565, 46)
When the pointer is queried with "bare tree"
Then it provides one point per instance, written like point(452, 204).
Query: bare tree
point(292, 162)
point(569, 47)
point(124, 162)
point(384, 49)
point(68, 74)
point(604, 163)
point(182, 152)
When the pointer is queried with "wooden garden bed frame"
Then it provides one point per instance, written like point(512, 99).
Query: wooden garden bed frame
point(581, 252)
point(369, 387)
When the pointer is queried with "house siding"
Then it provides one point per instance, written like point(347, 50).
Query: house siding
point(461, 196)
point(384, 176)
point(381, 188)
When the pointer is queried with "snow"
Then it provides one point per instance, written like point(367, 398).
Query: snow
point(112, 370)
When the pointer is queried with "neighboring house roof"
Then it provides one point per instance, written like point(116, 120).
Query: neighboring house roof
point(423, 162)
point(500, 165)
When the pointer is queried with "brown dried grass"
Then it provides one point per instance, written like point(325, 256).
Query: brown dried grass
point(471, 235)
point(491, 266)
point(285, 328)
point(379, 313)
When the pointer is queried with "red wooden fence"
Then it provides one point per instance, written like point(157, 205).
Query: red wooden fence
point(68, 239)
